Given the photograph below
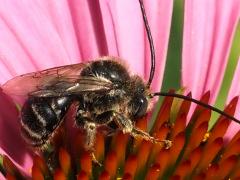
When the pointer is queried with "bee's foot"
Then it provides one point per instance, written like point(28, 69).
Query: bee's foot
point(168, 143)
point(95, 161)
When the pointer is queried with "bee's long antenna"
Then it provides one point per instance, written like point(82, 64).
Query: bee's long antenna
point(169, 94)
point(150, 40)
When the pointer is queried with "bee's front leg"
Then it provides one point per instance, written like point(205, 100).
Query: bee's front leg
point(127, 126)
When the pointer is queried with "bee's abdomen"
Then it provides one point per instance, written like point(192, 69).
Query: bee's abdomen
point(40, 117)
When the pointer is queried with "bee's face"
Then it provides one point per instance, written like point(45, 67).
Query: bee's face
point(139, 105)
point(139, 102)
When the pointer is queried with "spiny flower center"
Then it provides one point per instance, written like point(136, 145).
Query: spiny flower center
point(195, 152)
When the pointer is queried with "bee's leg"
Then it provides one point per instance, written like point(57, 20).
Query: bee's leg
point(106, 120)
point(91, 131)
point(82, 114)
point(84, 121)
point(127, 126)
point(140, 133)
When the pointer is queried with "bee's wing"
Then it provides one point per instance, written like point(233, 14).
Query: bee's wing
point(57, 81)
point(66, 86)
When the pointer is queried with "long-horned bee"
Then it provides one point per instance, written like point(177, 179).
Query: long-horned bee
point(106, 93)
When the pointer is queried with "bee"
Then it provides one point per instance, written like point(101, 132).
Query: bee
point(107, 96)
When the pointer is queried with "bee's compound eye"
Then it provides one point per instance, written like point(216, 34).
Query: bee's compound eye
point(139, 104)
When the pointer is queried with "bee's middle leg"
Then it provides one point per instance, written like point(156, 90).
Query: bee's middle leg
point(84, 121)
point(91, 131)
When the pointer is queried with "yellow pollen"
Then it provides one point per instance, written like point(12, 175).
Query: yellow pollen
point(206, 136)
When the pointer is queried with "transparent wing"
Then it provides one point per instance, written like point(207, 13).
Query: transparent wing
point(53, 82)
point(65, 87)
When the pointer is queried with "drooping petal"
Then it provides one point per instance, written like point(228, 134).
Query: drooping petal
point(1, 176)
point(208, 31)
point(234, 91)
point(11, 142)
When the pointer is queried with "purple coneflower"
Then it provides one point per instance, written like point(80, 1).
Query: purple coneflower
point(36, 35)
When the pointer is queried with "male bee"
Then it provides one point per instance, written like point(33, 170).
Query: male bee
point(106, 93)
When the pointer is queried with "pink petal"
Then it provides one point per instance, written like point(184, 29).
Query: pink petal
point(87, 20)
point(116, 28)
point(160, 15)
point(129, 33)
point(127, 37)
point(30, 40)
point(208, 32)
point(1, 176)
point(57, 34)
point(234, 91)
point(11, 141)
point(59, 14)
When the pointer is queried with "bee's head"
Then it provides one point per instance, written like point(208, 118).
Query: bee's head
point(138, 103)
